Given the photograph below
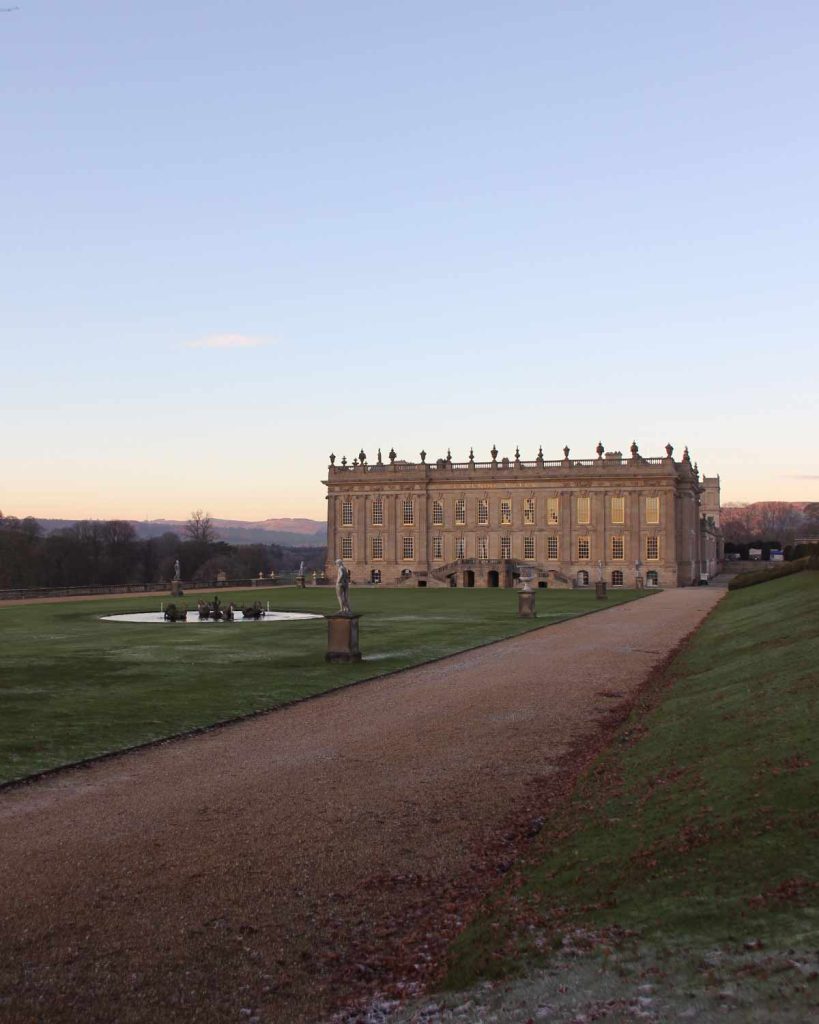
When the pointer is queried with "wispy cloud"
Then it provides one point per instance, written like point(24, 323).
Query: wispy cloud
point(802, 476)
point(227, 341)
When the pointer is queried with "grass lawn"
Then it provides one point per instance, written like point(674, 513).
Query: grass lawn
point(73, 687)
point(696, 835)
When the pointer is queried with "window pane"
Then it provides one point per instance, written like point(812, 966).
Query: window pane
point(584, 510)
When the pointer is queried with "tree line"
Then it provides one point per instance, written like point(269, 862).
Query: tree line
point(785, 521)
point(109, 552)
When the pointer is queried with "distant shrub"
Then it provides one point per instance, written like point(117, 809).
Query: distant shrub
point(750, 579)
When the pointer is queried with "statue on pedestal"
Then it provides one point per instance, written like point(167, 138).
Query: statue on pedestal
point(343, 588)
point(177, 570)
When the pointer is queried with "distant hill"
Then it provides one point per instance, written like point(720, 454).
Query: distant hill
point(288, 533)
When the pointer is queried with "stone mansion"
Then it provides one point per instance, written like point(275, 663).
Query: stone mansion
point(564, 522)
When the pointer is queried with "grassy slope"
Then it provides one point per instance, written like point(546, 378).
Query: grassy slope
point(73, 687)
point(699, 830)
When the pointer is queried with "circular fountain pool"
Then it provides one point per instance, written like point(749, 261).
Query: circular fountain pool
point(158, 618)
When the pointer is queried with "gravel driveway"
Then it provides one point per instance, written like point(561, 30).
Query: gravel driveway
point(261, 871)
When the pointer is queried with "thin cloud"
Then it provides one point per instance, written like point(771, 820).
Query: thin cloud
point(802, 476)
point(227, 341)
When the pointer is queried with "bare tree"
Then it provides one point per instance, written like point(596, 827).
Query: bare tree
point(200, 527)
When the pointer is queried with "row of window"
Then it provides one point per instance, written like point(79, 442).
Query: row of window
point(617, 511)
point(617, 549)
point(618, 578)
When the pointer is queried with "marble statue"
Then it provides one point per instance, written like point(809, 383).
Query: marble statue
point(600, 572)
point(177, 570)
point(343, 587)
point(301, 568)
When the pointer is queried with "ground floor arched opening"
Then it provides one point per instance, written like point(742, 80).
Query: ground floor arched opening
point(469, 578)
point(493, 578)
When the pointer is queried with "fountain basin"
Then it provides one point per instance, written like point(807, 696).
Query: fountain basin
point(158, 618)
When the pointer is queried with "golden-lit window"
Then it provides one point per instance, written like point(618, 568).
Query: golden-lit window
point(618, 510)
point(653, 510)
point(584, 510)
point(552, 515)
point(653, 547)
point(506, 513)
point(618, 547)
point(583, 547)
point(529, 512)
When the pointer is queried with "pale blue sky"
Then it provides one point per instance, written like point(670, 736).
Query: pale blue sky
point(447, 223)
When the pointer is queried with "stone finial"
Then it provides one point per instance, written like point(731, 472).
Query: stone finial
point(423, 455)
point(669, 450)
point(355, 463)
point(449, 455)
point(472, 456)
point(599, 449)
point(494, 453)
point(380, 460)
point(332, 459)
point(566, 452)
point(634, 449)
point(343, 460)
point(686, 456)
point(392, 456)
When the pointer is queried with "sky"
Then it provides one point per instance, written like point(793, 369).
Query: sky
point(238, 236)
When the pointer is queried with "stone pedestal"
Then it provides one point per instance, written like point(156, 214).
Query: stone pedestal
point(342, 637)
point(300, 582)
point(526, 604)
point(176, 588)
point(600, 590)
point(638, 583)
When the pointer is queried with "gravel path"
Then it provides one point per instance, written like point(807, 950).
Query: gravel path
point(258, 872)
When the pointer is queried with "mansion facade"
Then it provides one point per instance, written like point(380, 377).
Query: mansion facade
point(629, 520)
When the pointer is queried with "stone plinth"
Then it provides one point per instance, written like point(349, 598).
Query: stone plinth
point(526, 604)
point(600, 590)
point(638, 583)
point(300, 581)
point(342, 637)
point(176, 588)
